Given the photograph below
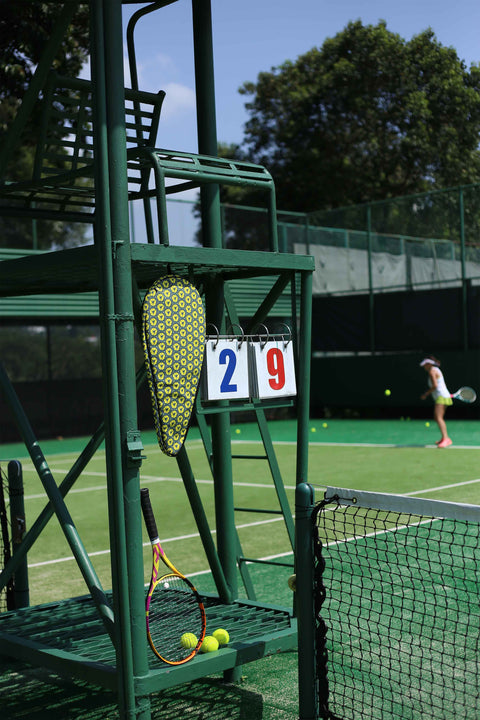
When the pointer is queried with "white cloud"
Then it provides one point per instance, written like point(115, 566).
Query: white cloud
point(179, 100)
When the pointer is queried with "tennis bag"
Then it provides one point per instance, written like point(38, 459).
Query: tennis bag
point(173, 324)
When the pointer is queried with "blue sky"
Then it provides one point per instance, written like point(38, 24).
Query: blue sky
point(252, 36)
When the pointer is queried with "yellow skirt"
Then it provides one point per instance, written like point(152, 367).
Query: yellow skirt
point(444, 401)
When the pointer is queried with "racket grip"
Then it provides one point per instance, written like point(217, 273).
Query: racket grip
point(148, 515)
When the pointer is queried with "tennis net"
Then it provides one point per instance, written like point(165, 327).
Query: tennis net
point(397, 614)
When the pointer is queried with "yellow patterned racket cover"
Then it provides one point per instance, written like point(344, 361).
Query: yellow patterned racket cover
point(174, 344)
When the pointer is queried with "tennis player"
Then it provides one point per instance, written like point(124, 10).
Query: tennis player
point(437, 388)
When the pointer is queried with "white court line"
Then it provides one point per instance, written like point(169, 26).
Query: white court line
point(247, 525)
point(444, 487)
point(151, 479)
point(155, 479)
point(400, 446)
point(166, 540)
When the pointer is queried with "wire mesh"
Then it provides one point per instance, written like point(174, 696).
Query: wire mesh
point(398, 616)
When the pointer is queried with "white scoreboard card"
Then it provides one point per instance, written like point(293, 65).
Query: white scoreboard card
point(226, 369)
point(273, 369)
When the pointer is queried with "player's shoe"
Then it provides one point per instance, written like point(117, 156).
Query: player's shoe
point(444, 443)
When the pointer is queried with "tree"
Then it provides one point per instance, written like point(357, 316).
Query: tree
point(367, 116)
point(25, 28)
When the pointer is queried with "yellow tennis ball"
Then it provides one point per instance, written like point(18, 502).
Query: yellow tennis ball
point(325, 425)
point(292, 582)
point(221, 636)
point(313, 429)
point(188, 640)
point(388, 392)
point(427, 424)
point(209, 644)
point(238, 431)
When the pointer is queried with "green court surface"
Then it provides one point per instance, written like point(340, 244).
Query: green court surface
point(403, 432)
point(390, 456)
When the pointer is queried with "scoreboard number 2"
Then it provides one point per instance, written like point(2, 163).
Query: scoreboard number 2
point(226, 369)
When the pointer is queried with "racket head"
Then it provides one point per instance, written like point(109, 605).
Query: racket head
point(174, 607)
point(467, 394)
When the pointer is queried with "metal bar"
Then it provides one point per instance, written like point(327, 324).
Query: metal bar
point(222, 471)
point(270, 300)
point(245, 573)
point(39, 214)
point(17, 521)
point(464, 270)
point(123, 482)
point(134, 81)
point(243, 559)
point(61, 511)
point(258, 510)
point(59, 661)
point(223, 591)
point(276, 475)
point(304, 563)
point(212, 238)
point(303, 376)
point(371, 297)
point(67, 483)
point(235, 406)
point(202, 522)
point(249, 457)
point(405, 504)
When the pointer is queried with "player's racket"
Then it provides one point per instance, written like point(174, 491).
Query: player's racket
point(466, 394)
point(173, 606)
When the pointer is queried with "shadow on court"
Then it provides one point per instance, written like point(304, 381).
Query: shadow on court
point(36, 694)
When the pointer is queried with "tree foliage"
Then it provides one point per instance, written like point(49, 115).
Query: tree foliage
point(367, 116)
point(25, 28)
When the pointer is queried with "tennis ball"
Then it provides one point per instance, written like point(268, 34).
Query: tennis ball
point(221, 636)
point(388, 392)
point(292, 582)
point(325, 425)
point(188, 640)
point(209, 644)
point(238, 431)
point(427, 424)
point(313, 429)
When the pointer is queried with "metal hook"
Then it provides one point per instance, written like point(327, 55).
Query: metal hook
point(242, 339)
point(285, 342)
point(218, 334)
point(260, 336)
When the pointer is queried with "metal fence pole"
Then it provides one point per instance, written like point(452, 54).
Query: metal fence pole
point(464, 270)
point(371, 300)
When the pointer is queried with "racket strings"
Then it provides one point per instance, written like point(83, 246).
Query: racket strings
point(468, 394)
point(174, 608)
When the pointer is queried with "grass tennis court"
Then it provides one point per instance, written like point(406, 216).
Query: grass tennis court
point(390, 456)
point(370, 455)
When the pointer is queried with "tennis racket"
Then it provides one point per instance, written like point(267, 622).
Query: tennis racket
point(466, 394)
point(173, 606)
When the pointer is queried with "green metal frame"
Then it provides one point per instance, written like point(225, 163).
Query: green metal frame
point(105, 643)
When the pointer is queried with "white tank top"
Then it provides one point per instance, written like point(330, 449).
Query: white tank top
point(441, 390)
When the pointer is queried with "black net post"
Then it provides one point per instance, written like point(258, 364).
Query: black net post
point(307, 686)
point(17, 521)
